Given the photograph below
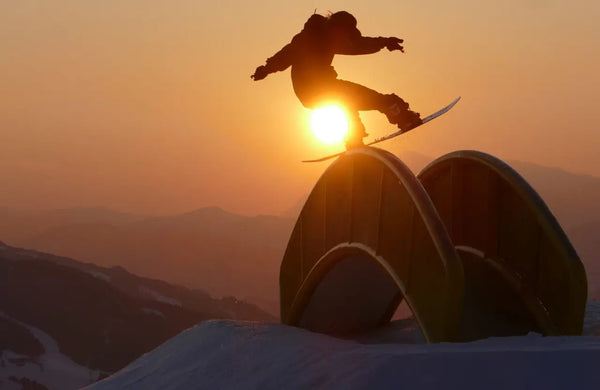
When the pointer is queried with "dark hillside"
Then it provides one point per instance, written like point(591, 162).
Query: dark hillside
point(100, 318)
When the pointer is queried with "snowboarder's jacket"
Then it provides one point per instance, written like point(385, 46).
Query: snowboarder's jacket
point(311, 52)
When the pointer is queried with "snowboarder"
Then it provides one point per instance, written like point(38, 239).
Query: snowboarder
point(315, 81)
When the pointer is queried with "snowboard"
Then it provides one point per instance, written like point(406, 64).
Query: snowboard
point(396, 133)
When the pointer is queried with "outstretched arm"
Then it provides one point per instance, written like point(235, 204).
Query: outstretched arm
point(356, 44)
point(280, 61)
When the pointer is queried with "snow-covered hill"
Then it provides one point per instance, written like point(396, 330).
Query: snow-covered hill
point(251, 355)
point(64, 324)
point(51, 369)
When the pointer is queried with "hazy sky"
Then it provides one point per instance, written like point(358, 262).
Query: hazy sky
point(147, 106)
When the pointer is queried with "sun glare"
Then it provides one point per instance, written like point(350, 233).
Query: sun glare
point(329, 124)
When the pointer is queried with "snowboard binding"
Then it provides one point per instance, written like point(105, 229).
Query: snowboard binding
point(398, 113)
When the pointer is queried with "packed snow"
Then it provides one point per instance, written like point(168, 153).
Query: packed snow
point(251, 355)
point(248, 355)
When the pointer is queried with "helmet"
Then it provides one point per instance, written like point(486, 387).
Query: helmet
point(342, 19)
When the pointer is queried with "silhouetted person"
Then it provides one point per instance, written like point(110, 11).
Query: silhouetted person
point(315, 82)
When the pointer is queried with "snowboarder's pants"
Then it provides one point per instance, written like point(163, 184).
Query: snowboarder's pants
point(352, 96)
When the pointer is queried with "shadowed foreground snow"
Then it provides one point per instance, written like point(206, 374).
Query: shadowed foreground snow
point(248, 355)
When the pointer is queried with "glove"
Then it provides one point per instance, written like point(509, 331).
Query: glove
point(393, 43)
point(260, 73)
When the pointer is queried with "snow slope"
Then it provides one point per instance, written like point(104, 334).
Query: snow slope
point(250, 355)
point(53, 369)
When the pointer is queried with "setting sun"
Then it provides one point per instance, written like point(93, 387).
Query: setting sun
point(329, 124)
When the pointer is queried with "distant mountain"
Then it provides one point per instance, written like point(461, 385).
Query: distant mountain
point(227, 254)
point(93, 319)
point(573, 198)
point(219, 252)
point(15, 225)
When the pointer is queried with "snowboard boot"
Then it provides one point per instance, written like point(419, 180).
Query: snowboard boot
point(356, 132)
point(398, 114)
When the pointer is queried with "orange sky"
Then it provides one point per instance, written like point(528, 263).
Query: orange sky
point(147, 106)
